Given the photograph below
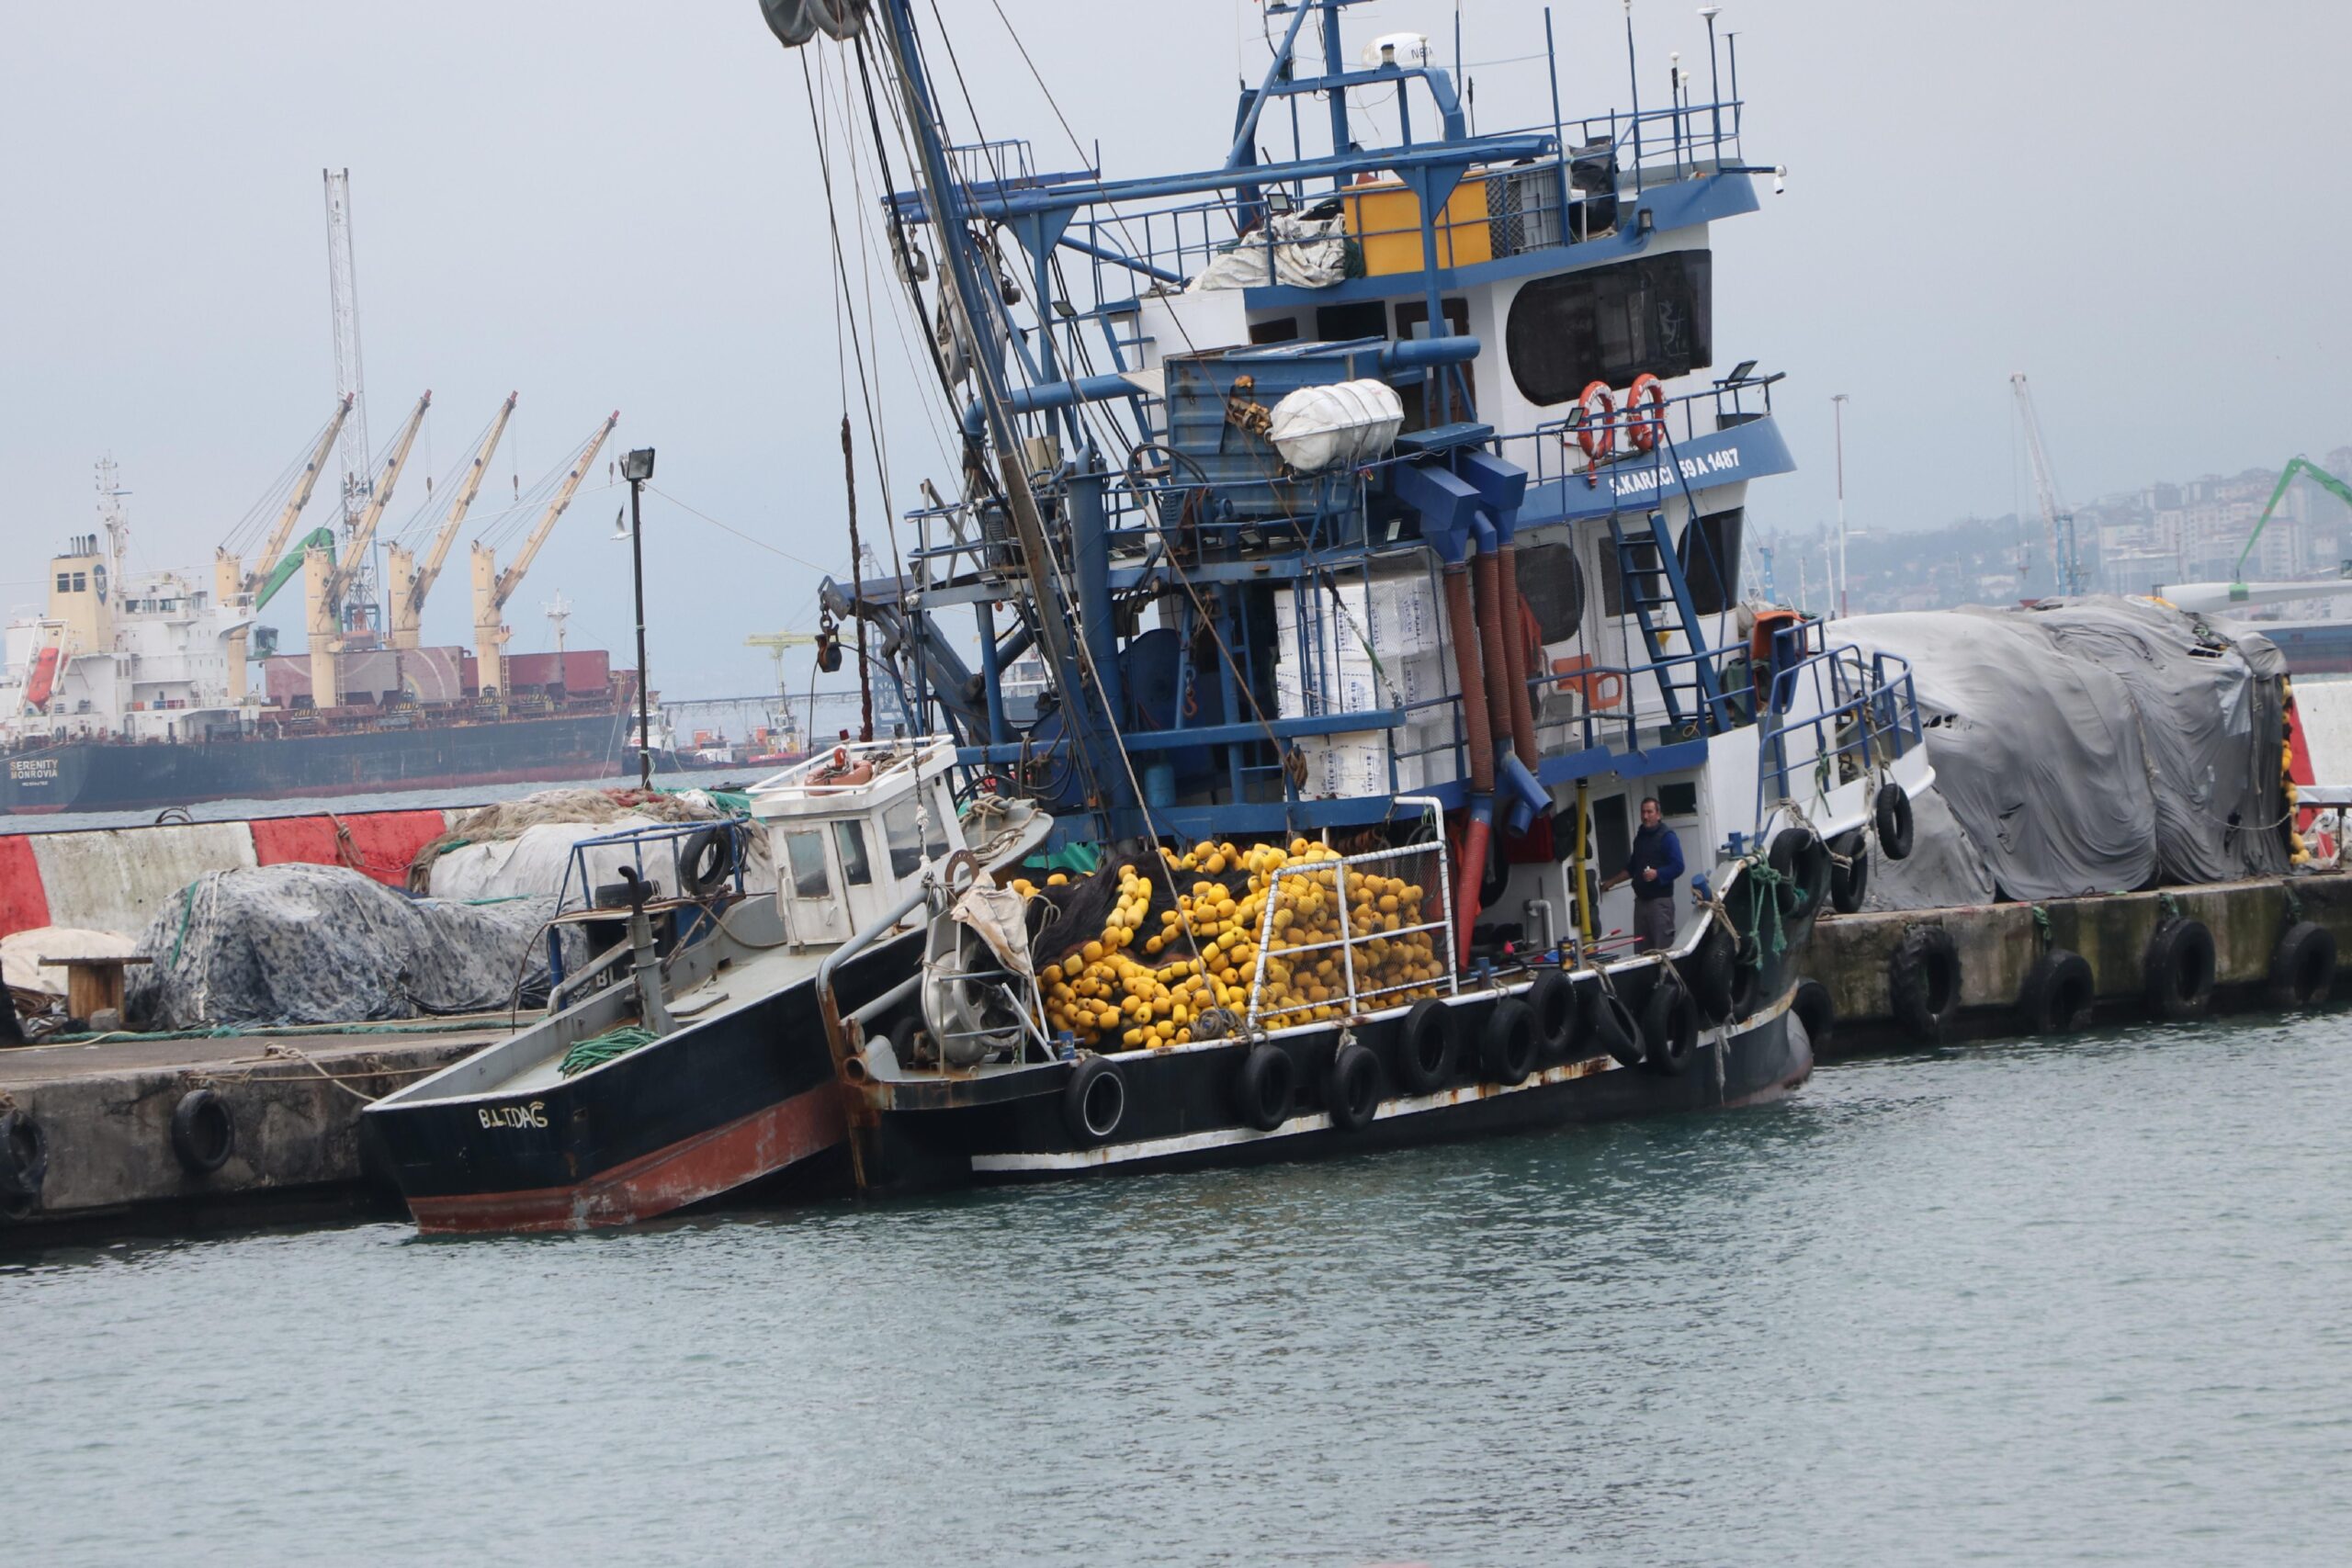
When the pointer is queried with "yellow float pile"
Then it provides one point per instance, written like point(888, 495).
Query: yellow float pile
point(1203, 953)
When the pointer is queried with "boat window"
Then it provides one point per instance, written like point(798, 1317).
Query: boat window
point(850, 837)
point(81, 583)
point(806, 852)
point(66, 582)
point(903, 834)
point(1552, 584)
point(1282, 329)
point(1345, 323)
point(1412, 389)
point(1652, 315)
point(1678, 800)
point(1710, 555)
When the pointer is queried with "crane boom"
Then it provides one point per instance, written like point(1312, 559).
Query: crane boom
point(2056, 518)
point(493, 587)
point(2297, 465)
point(363, 533)
point(512, 577)
point(467, 491)
point(269, 562)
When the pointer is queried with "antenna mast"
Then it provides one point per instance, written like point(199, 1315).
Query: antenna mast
point(343, 299)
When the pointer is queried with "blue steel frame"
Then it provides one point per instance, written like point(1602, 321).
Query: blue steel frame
point(1454, 477)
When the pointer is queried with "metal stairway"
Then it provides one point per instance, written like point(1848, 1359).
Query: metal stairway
point(1651, 579)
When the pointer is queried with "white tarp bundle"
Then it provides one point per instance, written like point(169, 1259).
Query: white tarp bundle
point(21, 953)
point(1305, 253)
point(1338, 426)
point(523, 848)
point(2090, 746)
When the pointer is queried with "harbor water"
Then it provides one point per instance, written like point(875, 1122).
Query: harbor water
point(2006, 1302)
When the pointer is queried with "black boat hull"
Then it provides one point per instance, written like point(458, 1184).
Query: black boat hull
point(709, 1110)
point(114, 776)
point(1181, 1106)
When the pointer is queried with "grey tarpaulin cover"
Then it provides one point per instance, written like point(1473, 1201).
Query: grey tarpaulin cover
point(325, 944)
point(2092, 745)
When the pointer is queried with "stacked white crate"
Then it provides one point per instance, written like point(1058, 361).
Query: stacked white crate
point(1382, 645)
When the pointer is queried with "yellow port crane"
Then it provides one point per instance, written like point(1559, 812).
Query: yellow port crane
point(326, 581)
point(493, 587)
point(776, 643)
point(229, 578)
point(408, 585)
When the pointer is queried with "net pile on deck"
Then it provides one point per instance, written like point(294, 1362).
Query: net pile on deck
point(1164, 967)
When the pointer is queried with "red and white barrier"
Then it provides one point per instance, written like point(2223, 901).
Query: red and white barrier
point(118, 878)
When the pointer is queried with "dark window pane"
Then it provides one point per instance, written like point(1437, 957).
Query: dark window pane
point(1652, 315)
point(1344, 323)
point(1553, 585)
point(851, 838)
point(806, 852)
point(1710, 554)
point(1283, 330)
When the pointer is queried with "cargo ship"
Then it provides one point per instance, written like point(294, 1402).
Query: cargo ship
point(134, 690)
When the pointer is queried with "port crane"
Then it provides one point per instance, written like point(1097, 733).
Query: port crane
point(326, 583)
point(2060, 522)
point(776, 643)
point(275, 567)
point(409, 584)
point(493, 587)
point(2202, 596)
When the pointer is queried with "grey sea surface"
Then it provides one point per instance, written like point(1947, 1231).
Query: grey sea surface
point(351, 805)
point(2011, 1304)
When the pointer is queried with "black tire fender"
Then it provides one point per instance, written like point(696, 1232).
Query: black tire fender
point(1802, 863)
point(1559, 1009)
point(1710, 971)
point(1814, 1009)
point(2058, 994)
point(1095, 1101)
point(1508, 1042)
point(1923, 982)
point(1616, 1030)
point(1669, 1028)
point(2179, 969)
point(203, 1132)
point(714, 845)
point(1351, 1087)
point(2303, 967)
point(1264, 1085)
point(23, 1157)
point(1891, 814)
point(1426, 1046)
point(1849, 883)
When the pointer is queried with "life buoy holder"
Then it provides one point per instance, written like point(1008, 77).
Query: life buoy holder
point(1597, 420)
point(1645, 411)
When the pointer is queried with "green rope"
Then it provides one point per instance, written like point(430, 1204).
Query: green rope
point(1762, 881)
point(2041, 926)
point(2294, 903)
point(2170, 906)
point(187, 908)
point(598, 1049)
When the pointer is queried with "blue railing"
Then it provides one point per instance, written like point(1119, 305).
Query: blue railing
point(674, 838)
point(1863, 713)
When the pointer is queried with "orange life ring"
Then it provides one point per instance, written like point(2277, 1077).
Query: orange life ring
point(1644, 424)
point(1597, 431)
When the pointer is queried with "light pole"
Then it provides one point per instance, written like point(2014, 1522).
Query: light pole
point(1837, 407)
point(638, 467)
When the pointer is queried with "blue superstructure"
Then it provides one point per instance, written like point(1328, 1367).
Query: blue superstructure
point(1527, 591)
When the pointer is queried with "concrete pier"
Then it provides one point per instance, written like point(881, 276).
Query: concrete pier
point(104, 1109)
point(1999, 943)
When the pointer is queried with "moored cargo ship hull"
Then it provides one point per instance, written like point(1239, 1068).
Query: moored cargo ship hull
point(115, 776)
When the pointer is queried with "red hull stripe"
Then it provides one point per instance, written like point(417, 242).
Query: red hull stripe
point(686, 1172)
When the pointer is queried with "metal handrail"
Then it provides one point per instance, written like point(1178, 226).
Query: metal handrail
point(1336, 869)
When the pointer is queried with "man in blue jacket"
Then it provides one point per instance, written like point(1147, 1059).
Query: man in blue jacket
point(1653, 867)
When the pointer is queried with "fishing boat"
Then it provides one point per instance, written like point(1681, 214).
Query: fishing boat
point(684, 1059)
point(1372, 509)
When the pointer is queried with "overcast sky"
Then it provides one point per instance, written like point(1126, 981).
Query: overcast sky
point(2138, 202)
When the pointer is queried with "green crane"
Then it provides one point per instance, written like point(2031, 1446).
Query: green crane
point(2238, 591)
point(291, 567)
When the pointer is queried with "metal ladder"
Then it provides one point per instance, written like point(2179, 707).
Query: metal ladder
point(1645, 557)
